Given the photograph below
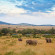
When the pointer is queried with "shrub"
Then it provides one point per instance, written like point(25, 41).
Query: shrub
point(36, 36)
point(49, 36)
point(0, 35)
point(5, 31)
point(16, 36)
point(27, 35)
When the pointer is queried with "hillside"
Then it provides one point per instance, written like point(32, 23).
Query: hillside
point(4, 23)
point(24, 24)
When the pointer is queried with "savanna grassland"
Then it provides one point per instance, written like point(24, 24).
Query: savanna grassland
point(18, 27)
point(11, 46)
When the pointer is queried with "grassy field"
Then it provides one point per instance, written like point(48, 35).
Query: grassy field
point(11, 46)
point(17, 27)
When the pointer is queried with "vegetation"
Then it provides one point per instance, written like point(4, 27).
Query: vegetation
point(49, 36)
point(35, 31)
point(26, 32)
point(27, 52)
point(6, 31)
point(8, 45)
point(10, 53)
point(36, 36)
point(14, 35)
point(11, 46)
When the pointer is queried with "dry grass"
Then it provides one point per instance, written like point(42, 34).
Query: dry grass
point(17, 27)
point(13, 46)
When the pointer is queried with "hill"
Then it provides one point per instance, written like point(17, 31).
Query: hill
point(4, 23)
point(24, 24)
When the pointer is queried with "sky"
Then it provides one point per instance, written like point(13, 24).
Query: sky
point(28, 11)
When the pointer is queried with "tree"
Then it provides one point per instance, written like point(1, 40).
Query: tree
point(0, 33)
point(5, 31)
point(14, 30)
point(52, 31)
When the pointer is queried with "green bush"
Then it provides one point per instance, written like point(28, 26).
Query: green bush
point(49, 36)
point(27, 35)
point(36, 36)
point(5, 31)
point(0, 35)
point(16, 36)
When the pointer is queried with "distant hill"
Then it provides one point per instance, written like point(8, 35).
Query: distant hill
point(24, 24)
point(46, 25)
point(4, 23)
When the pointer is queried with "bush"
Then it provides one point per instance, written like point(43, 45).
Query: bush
point(5, 31)
point(15, 36)
point(49, 36)
point(27, 35)
point(36, 36)
point(0, 35)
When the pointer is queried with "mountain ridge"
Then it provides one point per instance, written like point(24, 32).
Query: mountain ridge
point(24, 24)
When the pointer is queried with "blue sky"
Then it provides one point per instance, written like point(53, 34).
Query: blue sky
point(28, 11)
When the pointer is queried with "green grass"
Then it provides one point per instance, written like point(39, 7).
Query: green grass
point(10, 53)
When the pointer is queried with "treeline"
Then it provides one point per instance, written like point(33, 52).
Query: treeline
point(7, 31)
point(35, 31)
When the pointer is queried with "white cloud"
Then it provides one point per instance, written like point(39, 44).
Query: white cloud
point(13, 14)
point(7, 7)
point(34, 18)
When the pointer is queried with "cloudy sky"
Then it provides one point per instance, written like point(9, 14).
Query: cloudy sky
point(28, 11)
